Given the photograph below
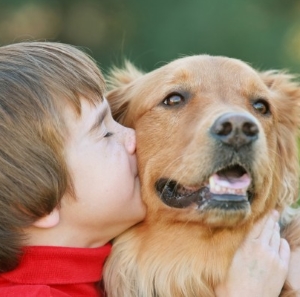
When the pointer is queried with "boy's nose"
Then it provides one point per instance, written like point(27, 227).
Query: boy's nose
point(130, 141)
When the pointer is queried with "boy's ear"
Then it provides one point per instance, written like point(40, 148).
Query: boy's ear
point(48, 221)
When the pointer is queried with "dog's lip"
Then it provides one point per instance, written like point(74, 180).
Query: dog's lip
point(229, 184)
point(178, 196)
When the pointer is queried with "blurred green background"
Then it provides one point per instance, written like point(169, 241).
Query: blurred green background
point(265, 33)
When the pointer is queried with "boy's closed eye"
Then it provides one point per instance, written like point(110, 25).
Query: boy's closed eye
point(108, 134)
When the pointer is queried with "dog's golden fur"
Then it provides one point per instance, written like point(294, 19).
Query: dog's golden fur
point(185, 251)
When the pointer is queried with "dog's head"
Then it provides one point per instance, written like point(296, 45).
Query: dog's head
point(216, 140)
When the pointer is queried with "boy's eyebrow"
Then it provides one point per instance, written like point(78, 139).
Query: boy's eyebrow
point(100, 117)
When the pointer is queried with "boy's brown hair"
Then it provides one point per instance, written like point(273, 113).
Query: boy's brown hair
point(36, 80)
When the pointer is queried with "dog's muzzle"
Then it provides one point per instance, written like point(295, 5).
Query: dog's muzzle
point(226, 189)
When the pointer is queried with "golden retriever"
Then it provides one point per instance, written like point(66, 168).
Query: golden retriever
point(217, 150)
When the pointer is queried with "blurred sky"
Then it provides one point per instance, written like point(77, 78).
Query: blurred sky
point(265, 33)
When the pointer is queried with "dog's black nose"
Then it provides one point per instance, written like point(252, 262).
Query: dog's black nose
point(235, 129)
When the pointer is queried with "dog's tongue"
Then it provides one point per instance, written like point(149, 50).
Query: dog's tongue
point(229, 184)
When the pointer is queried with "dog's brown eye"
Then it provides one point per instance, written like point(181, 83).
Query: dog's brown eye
point(261, 106)
point(174, 99)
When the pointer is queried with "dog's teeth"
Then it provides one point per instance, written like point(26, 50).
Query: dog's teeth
point(216, 188)
point(222, 190)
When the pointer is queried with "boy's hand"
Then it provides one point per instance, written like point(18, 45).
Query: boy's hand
point(260, 266)
point(294, 270)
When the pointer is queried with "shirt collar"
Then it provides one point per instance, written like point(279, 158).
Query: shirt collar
point(59, 265)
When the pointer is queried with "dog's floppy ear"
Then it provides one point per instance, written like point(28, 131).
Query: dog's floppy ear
point(118, 82)
point(286, 94)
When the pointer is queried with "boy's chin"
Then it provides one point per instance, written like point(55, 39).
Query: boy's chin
point(136, 217)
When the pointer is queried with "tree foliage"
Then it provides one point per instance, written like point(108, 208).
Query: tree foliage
point(265, 33)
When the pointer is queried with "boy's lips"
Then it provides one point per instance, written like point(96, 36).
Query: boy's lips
point(133, 165)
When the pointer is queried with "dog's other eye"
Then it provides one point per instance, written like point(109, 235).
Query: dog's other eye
point(261, 106)
point(174, 99)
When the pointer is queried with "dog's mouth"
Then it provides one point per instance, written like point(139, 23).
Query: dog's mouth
point(227, 188)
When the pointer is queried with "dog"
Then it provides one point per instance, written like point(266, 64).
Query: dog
point(217, 150)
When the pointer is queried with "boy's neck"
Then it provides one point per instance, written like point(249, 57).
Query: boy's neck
point(62, 236)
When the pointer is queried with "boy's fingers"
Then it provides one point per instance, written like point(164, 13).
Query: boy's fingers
point(260, 226)
point(284, 251)
point(268, 229)
point(257, 228)
point(275, 239)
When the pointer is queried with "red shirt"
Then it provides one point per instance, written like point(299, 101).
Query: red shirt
point(56, 272)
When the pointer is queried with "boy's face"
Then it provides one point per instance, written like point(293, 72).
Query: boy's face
point(100, 155)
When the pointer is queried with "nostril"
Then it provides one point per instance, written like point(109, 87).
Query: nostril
point(250, 129)
point(224, 129)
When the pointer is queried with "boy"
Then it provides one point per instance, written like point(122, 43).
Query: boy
point(69, 183)
point(68, 180)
